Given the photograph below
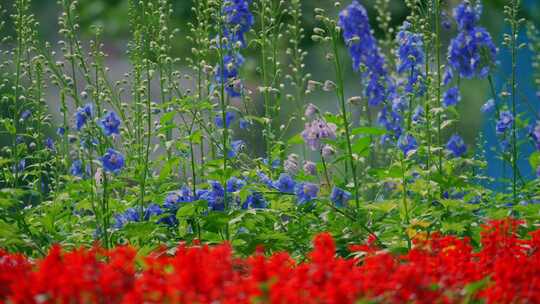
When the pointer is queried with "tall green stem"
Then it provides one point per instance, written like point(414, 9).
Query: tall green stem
point(341, 96)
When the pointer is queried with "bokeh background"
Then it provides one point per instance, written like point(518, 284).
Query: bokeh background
point(112, 14)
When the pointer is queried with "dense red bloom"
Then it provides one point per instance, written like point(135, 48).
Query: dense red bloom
point(436, 270)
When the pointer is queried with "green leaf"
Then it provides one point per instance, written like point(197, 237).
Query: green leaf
point(534, 160)
point(368, 131)
point(167, 117)
point(295, 140)
point(361, 145)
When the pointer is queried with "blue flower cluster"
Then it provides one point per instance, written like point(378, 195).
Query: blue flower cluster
point(472, 52)
point(365, 52)
point(110, 124)
point(407, 143)
point(82, 115)
point(112, 161)
point(132, 215)
point(456, 146)
point(506, 119)
point(411, 58)
point(238, 21)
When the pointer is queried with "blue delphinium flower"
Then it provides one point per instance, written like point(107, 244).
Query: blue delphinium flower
point(229, 73)
point(229, 117)
point(76, 168)
point(112, 161)
point(61, 131)
point(238, 20)
point(340, 197)
point(363, 49)
point(451, 97)
point(488, 106)
point(506, 119)
point(243, 124)
point(392, 121)
point(407, 143)
point(235, 184)
point(49, 144)
point(215, 196)
point(472, 52)
point(19, 167)
point(265, 179)
point(306, 192)
point(411, 57)
point(82, 115)
point(456, 146)
point(236, 146)
point(152, 210)
point(418, 114)
point(122, 219)
point(285, 183)
point(26, 114)
point(256, 201)
point(467, 16)
point(110, 124)
point(174, 198)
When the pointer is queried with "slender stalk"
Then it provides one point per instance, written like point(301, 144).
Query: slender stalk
point(514, 100)
point(438, 85)
point(341, 96)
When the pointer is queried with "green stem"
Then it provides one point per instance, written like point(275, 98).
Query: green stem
point(341, 96)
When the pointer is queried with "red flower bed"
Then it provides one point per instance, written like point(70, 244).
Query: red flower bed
point(443, 269)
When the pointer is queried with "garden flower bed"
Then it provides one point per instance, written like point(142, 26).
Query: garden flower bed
point(439, 269)
point(299, 151)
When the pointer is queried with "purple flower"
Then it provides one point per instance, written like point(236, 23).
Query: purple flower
point(451, 97)
point(310, 168)
point(306, 192)
point(407, 143)
point(506, 119)
point(456, 146)
point(311, 111)
point(82, 115)
point(112, 161)
point(317, 130)
point(61, 131)
point(229, 117)
point(327, 151)
point(110, 124)
point(535, 133)
point(291, 164)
